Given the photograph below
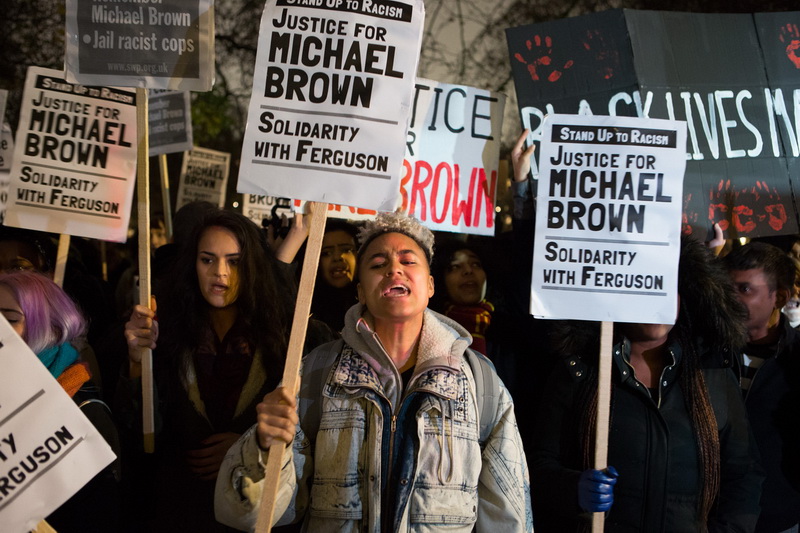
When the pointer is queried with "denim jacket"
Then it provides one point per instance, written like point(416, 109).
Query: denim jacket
point(389, 459)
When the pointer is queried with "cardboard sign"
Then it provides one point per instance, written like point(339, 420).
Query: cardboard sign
point(75, 159)
point(43, 464)
point(332, 94)
point(608, 219)
point(344, 212)
point(6, 147)
point(259, 208)
point(170, 122)
point(733, 78)
point(204, 176)
point(452, 157)
point(6, 156)
point(163, 44)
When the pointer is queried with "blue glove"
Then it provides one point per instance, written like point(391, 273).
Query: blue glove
point(596, 489)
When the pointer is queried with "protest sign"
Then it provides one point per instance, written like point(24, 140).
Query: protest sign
point(163, 44)
point(731, 77)
point(332, 93)
point(6, 156)
point(75, 159)
point(204, 176)
point(43, 464)
point(344, 212)
point(259, 208)
point(452, 157)
point(6, 147)
point(608, 219)
point(170, 121)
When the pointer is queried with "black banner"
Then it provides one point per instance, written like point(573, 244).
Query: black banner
point(735, 80)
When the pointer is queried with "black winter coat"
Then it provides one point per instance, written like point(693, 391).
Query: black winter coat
point(652, 446)
point(772, 404)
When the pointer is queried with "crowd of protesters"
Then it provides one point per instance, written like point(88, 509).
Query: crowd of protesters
point(430, 400)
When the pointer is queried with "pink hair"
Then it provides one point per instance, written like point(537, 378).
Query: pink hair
point(51, 317)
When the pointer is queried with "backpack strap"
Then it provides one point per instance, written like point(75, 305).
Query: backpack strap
point(316, 369)
point(487, 391)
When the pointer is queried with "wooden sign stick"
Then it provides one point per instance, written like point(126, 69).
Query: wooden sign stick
point(44, 527)
point(165, 200)
point(61, 259)
point(143, 194)
point(291, 372)
point(603, 409)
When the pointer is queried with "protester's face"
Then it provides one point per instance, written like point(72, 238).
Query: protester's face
point(465, 279)
point(752, 288)
point(12, 311)
point(158, 236)
point(337, 259)
point(17, 255)
point(795, 251)
point(395, 282)
point(218, 255)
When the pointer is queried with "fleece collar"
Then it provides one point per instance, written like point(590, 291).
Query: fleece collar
point(251, 389)
point(441, 345)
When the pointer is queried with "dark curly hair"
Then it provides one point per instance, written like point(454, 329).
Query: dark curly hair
point(264, 303)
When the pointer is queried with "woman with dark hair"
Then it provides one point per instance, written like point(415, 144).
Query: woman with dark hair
point(462, 280)
point(224, 320)
point(335, 288)
point(680, 446)
point(49, 322)
point(468, 293)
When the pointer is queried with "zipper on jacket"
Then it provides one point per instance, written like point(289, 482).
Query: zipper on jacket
point(386, 516)
point(661, 379)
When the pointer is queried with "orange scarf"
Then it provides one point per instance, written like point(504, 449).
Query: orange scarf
point(73, 378)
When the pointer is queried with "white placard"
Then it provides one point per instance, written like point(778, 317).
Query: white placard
point(169, 117)
point(6, 148)
point(75, 158)
point(331, 98)
point(204, 176)
point(6, 157)
point(160, 44)
point(452, 157)
point(42, 464)
point(608, 219)
point(344, 212)
point(258, 207)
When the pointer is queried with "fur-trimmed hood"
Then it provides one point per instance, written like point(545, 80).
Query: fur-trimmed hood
point(709, 307)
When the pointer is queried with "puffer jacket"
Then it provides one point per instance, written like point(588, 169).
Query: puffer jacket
point(389, 459)
point(653, 447)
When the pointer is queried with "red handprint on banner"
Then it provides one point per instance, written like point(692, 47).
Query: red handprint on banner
point(790, 35)
point(688, 218)
point(540, 60)
point(744, 210)
point(605, 57)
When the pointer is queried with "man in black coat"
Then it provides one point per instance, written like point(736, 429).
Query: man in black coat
point(770, 378)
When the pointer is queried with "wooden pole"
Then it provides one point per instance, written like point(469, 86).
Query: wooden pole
point(61, 259)
point(104, 260)
point(603, 410)
point(291, 372)
point(44, 527)
point(143, 194)
point(165, 200)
